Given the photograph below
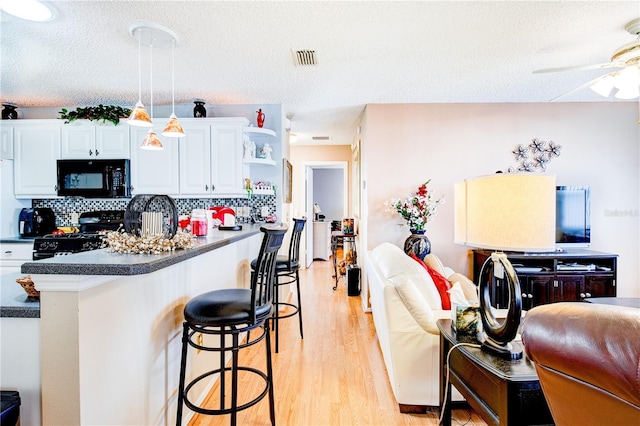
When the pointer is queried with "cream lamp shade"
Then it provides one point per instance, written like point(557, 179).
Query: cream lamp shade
point(505, 211)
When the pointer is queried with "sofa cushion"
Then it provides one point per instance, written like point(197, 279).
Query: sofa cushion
point(434, 262)
point(439, 281)
point(390, 259)
point(415, 304)
point(468, 287)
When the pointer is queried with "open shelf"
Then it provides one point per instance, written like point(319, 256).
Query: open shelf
point(259, 130)
point(262, 161)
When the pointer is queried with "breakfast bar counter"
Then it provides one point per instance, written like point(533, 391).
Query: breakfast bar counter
point(103, 262)
point(111, 323)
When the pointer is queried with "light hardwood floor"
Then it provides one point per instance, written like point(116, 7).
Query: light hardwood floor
point(335, 375)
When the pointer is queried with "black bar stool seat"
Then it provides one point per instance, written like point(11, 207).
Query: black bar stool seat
point(226, 307)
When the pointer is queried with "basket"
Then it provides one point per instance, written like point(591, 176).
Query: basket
point(144, 203)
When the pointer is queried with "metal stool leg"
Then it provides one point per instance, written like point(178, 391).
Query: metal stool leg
point(299, 302)
point(272, 408)
point(183, 370)
point(276, 312)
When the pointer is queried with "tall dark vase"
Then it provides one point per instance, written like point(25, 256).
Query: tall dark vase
point(418, 244)
point(199, 111)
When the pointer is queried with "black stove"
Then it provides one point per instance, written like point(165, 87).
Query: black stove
point(93, 226)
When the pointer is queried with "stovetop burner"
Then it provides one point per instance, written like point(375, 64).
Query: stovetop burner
point(93, 225)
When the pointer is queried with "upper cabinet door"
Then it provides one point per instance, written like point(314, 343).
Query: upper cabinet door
point(36, 149)
point(112, 142)
point(195, 159)
point(78, 141)
point(154, 172)
point(226, 159)
point(86, 140)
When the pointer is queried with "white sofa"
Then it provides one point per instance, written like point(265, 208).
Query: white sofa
point(406, 305)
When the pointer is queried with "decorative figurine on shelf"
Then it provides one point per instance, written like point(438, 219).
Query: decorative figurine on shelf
point(248, 187)
point(265, 152)
point(199, 111)
point(249, 149)
point(260, 118)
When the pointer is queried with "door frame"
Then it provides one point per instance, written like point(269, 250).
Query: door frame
point(309, 166)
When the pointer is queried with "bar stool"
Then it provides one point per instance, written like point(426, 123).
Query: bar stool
point(231, 312)
point(287, 269)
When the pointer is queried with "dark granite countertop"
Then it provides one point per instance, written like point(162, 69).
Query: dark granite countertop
point(103, 262)
point(25, 240)
point(13, 300)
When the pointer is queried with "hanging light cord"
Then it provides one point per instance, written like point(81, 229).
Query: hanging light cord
point(151, 77)
point(139, 67)
point(173, 76)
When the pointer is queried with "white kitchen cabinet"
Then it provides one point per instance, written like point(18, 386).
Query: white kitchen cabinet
point(211, 157)
point(6, 141)
point(13, 255)
point(36, 149)
point(322, 240)
point(227, 170)
point(195, 159)
point(86, 140)
point(154, 171)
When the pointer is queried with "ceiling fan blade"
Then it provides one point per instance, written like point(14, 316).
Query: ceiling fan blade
point(575, 89)
point(580, 67)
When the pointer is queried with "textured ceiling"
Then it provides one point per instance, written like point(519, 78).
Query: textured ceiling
point(367, 52)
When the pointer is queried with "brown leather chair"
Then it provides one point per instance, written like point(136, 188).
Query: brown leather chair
point(587, 357)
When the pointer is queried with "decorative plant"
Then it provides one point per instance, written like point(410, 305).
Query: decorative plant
point(418, 208)
point(106, 113)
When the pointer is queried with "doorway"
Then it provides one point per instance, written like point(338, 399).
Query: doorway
point(326, 184)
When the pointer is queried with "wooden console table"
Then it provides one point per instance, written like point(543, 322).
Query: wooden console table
point(502, 392)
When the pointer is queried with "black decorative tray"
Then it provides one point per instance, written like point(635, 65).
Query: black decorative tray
point(230, 228)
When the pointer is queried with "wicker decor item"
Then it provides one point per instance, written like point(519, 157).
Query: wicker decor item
point(29, 287)
point(151, 203)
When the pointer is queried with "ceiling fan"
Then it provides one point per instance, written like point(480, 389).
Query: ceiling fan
point(625, 81)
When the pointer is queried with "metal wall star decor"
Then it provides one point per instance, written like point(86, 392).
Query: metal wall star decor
point(534, 157)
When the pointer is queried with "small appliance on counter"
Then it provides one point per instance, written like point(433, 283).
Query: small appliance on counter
point(92, 226)
point(34, 222)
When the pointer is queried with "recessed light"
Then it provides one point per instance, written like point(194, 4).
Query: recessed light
point(31, 10)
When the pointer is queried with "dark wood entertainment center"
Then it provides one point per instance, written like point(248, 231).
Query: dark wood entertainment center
point(560, 276)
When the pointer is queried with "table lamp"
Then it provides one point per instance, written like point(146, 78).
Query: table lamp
point(316, 211)
point(504, 212)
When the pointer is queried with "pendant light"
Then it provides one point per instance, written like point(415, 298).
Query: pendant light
point(151, 141)
point(173, 129)
point(139, 116)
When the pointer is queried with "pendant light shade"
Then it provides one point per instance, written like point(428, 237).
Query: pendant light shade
point(173, 129)
point(139, 116)
point(151, 142)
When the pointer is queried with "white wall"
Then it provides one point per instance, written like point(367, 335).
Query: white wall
point(406, 144)
point(328, 192)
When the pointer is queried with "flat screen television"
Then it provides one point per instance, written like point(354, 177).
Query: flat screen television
point(573, 225)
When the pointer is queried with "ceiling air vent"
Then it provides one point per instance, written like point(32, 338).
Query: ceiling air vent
point(320, 138)
point(304, 57)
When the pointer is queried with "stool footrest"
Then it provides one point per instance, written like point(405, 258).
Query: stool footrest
point(217, 411)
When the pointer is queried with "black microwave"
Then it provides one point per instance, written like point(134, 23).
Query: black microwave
point(94, 178)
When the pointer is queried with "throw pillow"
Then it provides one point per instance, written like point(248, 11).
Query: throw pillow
point(441, 282)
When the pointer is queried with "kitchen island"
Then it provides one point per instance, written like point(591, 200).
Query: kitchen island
point(111, 323)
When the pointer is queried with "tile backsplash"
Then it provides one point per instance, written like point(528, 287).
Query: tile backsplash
point(64, 208)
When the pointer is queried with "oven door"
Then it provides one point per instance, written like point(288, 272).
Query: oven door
point(93, 178)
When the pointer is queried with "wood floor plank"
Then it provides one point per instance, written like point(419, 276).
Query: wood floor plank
point(335, 375)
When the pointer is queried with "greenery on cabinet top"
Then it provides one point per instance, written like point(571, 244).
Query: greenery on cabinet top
point(106, 113)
